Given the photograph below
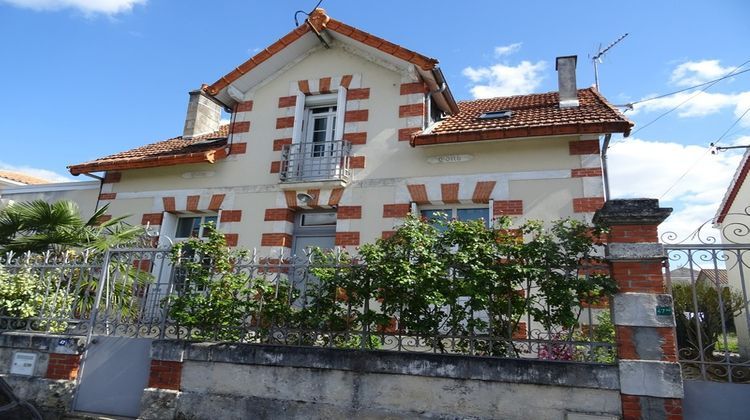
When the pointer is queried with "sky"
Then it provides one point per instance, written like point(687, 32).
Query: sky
point(87, 78)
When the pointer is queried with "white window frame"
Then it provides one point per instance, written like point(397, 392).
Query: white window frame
point(305, 102)
point(454, 210)
point(331, 123)
point(201, 230)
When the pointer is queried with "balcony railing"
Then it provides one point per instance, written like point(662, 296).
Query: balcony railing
point(316, 161)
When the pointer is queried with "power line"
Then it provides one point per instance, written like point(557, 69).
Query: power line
point(629, 105)
point(705, 86)
point(710, 147)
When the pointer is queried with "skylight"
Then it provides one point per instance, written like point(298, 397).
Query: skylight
point(506, 113)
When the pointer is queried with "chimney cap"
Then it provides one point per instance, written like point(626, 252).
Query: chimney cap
point(566, 57)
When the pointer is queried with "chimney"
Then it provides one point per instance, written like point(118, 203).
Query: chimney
point(566, 81)
point(203, 115)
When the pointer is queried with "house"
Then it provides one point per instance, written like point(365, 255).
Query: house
point(733, 221)
point(336, 135)
point(10, 179)
point(17, 186)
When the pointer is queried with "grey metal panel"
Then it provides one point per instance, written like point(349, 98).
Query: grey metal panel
point(114, 375)
point(715, 400)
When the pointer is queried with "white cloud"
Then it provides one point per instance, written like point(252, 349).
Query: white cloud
point(504, 79)
point(89, 7)
point(696, 72)
point(641, 168)
point(507, 49)
point(37, 172)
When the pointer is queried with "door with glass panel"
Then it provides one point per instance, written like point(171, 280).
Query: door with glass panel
point(318, 160)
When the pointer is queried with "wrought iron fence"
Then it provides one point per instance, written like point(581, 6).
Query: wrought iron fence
point(147, 293)
point(708, 281)
point(316, 161)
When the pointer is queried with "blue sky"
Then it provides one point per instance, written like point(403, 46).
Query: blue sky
point(85, 78)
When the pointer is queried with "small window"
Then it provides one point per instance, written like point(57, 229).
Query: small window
point(496, 114)
point(192, 227)
point(463, 214)
point(318, 219)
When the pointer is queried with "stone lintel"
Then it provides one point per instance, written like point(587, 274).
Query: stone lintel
point(635, 251)
point(637, 211)
point(651, 378)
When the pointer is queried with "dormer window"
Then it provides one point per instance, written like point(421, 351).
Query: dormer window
point(493, 115)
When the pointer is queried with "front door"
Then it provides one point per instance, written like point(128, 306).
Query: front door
point(313, 229)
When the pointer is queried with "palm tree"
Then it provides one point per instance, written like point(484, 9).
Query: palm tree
point(39, 226)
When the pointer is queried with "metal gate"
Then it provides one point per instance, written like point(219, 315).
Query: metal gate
point(125, 318)
point(709, 279)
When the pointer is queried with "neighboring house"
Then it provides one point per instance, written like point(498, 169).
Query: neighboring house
point(83, 193)
point(12, 179)
point(336, 135)
point(715, 276)
point(733, 221)
point(683, 275)
point(17, 186)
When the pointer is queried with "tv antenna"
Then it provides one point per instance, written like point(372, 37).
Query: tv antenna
point(597, 58)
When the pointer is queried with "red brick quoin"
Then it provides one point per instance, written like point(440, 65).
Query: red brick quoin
point(63, 366)
point(165, 375)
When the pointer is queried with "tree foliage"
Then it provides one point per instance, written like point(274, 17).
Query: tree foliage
point(703, 325)
point(39, 226)
point(430, 280)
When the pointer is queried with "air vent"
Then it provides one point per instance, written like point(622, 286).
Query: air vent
point(496, 114)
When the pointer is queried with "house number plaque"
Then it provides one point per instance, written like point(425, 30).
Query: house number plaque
point(450, 159)
point(663, 310)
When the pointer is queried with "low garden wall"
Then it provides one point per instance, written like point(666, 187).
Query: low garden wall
point(238, 381)
point(51, 383)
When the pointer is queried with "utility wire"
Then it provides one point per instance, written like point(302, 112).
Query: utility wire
point(710, 147)
point(629, 105)
point(705, 86)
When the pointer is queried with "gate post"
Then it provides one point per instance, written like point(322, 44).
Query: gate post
point(650, 377)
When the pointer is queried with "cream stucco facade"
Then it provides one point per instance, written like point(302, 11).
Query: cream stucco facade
point(536, 171)
point(537, 174)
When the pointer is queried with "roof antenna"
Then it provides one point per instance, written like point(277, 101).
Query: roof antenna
point(597, 58)
point(296, 22)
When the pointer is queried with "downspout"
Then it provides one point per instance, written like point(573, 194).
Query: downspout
point(605, 172)
point(101, 185)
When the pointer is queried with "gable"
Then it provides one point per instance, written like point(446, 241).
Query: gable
point(321, 31)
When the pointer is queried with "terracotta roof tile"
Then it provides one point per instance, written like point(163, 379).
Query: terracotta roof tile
point(532, 115)
point(23, 178)
point(162, 151)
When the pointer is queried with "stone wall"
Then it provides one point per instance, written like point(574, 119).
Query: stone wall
point(238, 381)
point(51, 386)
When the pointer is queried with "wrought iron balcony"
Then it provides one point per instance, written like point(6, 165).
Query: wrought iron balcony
point(316, 161)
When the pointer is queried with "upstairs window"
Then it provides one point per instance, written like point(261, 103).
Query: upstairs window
point(320, 129)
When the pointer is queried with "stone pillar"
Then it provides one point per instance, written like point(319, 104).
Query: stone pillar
point(650, 377)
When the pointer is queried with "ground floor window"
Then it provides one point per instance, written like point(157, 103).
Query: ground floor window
point(192, 226)
point(462, 213)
